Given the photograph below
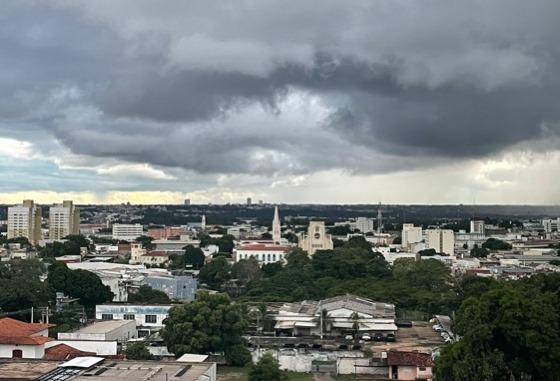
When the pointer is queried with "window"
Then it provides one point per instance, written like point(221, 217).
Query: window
point(422, 369)
point(274, 257)
point(129, 317)
point(151, 319)
point(106, 316)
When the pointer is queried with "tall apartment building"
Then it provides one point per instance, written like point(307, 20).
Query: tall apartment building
point(441, 240)
point(551, 225)
point(64, 220)
point(25, 221)
point(363, 224)
point(410, 235)
point(477, 227)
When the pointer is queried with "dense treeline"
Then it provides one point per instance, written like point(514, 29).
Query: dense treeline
point(352, 268)
point(508, 331)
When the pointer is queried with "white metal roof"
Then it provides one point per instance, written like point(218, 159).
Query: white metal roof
point(82, 362)
point(192, 357)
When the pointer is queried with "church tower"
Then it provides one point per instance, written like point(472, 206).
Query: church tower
point(276, 233)
point(203, 222)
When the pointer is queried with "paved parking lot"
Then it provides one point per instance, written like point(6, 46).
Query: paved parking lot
point(420, 337)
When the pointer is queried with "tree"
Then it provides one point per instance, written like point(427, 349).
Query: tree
point(340, 230)
point(138, 351)
point(427, 252)
point(494, 244)
point(78, 239)
point(215, 272)
point(510, 332)
point(81, 284)
point(194, 256)
point(479, 252)
point(358, 242)
point(267, 369)
point(246, 270)
point(20, 285)
point(59, 249)
point(238, 355)
point(146, 242)
point(147, 295)
point(207, 325)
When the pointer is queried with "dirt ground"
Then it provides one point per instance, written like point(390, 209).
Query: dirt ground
point(420, 337)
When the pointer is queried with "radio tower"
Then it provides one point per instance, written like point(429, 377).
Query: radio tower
point(379, 220)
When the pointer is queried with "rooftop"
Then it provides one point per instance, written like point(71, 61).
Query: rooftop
point(13, 331)
point(409, 359)
point(104, 326)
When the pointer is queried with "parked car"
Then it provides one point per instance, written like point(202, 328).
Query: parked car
point(348, 337)
point(444, 335)
point(366, 337)
point(378, 336)
point(390, 337)
point(437, 327)
point(448, 340)
point(403, 323)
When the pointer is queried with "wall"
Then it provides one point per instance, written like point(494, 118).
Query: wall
point(349, 365)
point(139, 312)
point(300, 360)
point(29, 351)
point(407, 373)
point(102, 348)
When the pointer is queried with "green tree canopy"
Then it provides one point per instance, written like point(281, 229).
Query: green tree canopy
point(209, 324)
point(194, 256)
point(20, 285)
point(494, 244)
point(147, 295)
point(215, 273)
point(267, 369)
point(138, 351)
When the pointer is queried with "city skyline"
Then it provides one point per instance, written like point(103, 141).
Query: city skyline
point(438, 103)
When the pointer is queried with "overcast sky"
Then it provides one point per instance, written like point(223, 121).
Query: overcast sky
point(432, 101)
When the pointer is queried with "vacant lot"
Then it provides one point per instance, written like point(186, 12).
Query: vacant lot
point(420, 337)
point(242, 374)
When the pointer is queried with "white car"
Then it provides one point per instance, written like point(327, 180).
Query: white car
point(348, 337)
point(448, 340)
point(444, 335)
point(437, 327)
point(366, 337)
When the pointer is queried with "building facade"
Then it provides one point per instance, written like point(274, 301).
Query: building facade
point(477, 227)
point(316, 238)
point(127, 232)
point(410, 235)
point(262, 252)
point(64, 220)
point(441, 240)
point(25, 221)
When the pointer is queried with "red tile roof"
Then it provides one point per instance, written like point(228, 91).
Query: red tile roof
point(409, 359)
point(62, 352)
point(13, 331)
point(259, 247)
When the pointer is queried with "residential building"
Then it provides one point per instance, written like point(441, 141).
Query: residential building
point(477, 227)
point(410, 235)
point(263, 252)
point(441, 240)
point(187, 201)
point(166, 232)
point(363, 224)
point(276, 227)
point(316, 238)
point(25, 221)
point(551, 225)
point(148, 318)
point(335, 317)
point(249, 201)
point(409, 365)
point(127, 232)
point(23, 340)
point(64, 220)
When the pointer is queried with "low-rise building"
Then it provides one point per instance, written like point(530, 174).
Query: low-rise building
point(127, 232)
point(105, 330)
point(409, 365)
point(148, 318)
point(263, 252)
point(23, 340)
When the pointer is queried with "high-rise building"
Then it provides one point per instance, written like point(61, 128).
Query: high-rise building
point(316, 238)
point(477, 227)
point(441, 240)
point(64, 220)
point(551, 225)
point(187, 201)
point(410, 235)
point(249, 201)
point(379, 220)
point(203, 222)
point(25, 221)
point(363, 224)
point(276, 231)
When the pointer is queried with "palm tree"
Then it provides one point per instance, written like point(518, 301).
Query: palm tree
point(355, 317)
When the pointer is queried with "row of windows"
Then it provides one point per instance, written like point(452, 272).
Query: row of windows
point(263, 257)
point(147, 318)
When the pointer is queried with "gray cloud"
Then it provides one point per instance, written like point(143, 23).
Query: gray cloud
point(270, 87)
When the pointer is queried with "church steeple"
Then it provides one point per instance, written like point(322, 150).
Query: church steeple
point(276, 234)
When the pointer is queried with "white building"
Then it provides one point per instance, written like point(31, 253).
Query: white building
point(109, 330)
point(64, 220)
point(477, 227)
point(262, 252)
point(23, 340)
point(410, 235)
point(441, 240)
point(316, 238)
point(25, 221)
point(551, 225)
point(363, 224)
point(148, 318)
point(139, 256)
point(127, 232)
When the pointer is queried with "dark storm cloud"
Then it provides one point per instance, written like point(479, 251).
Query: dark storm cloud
point(211, 87)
